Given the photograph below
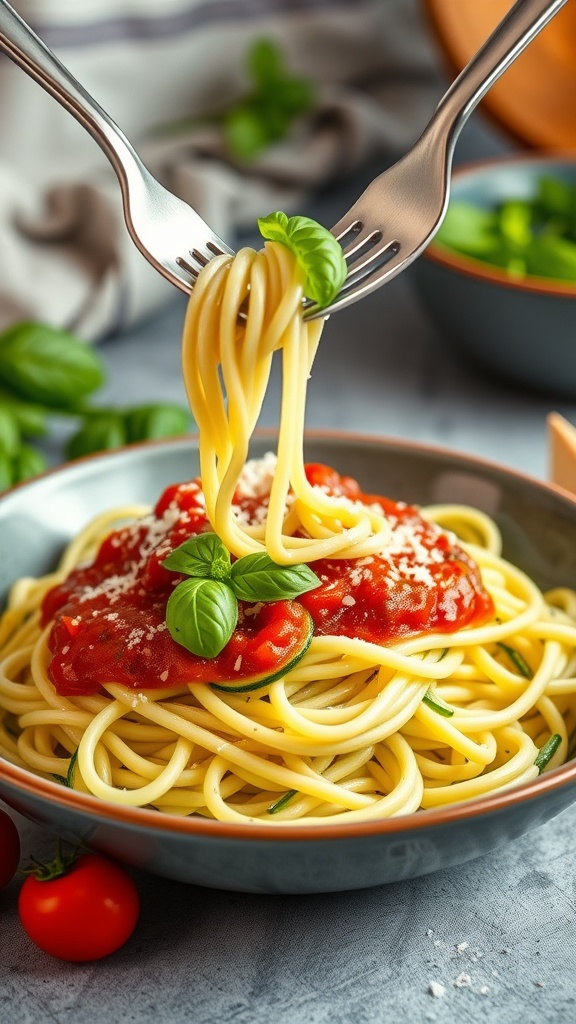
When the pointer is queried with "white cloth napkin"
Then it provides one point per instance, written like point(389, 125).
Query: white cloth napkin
point(65, 256)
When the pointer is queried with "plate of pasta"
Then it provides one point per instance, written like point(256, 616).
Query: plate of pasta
point(286, 662)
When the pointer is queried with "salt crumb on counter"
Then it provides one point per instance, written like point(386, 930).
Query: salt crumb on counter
point(436, 989)
point(449, 957)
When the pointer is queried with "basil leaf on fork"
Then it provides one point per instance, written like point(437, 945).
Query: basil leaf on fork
point(317, 251)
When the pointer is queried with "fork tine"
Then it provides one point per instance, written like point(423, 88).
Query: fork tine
point(360, 284)
point(185, 265)
point(364, 241)
point(371, 261)
point(200, 258)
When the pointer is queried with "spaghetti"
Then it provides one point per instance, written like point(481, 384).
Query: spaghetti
point(423, 669)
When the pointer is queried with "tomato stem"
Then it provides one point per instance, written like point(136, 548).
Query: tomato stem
point(55, 868)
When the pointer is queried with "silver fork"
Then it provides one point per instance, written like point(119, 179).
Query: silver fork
point(390, 224)
point(401, 210)
point(168, 232)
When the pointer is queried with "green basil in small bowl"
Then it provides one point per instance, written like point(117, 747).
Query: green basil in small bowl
point(499, 279)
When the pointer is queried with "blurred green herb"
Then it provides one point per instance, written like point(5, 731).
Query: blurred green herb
point(534, 236)
point(274, 99)
point(47, 373)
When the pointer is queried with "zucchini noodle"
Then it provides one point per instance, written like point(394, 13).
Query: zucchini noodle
point(356, 730)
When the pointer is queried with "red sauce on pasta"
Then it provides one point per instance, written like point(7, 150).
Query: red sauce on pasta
point(109, 616)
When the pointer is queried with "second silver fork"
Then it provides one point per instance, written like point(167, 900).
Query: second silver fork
point(400, 212)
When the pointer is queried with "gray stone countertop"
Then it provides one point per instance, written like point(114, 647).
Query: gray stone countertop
point(498, 934)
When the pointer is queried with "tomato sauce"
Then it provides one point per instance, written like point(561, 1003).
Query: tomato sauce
point(109, 616)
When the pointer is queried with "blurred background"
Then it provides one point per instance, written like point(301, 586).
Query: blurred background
point(239, 107)
point(242, 107)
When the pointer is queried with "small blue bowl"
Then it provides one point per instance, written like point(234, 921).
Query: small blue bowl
point(524, 330)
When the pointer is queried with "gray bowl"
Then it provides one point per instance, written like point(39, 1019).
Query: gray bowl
point(538, 523)
point(524, 330)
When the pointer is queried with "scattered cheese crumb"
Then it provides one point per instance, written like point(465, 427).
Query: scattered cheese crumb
point(436, 989)
point(462, 981)
point(461, 947)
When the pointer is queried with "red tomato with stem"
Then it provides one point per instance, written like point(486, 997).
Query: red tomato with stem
point(79, 910)
point(9, 849)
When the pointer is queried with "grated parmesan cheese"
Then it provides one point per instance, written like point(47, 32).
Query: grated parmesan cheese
point(436, 989)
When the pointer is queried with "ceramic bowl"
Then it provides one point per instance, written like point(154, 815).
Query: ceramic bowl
point(538, 523)
point(523, 330)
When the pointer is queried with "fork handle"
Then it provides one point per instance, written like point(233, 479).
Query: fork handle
point(25, 48)
point(516, 30)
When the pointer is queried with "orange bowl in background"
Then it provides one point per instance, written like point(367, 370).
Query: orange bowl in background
point(535, 100)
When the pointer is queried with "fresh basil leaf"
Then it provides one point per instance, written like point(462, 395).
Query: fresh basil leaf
point(554, 198)
point(264, 62)
point(469, 229)
point(551, 256)
point(162, 419)
point(201, 616)
point(515, 222)
point(245, 132)
point(265, 115)
point(257, 578)
point(99, 433)
point(9, 432)
point(31, 419)
point(202, 556)
point(317, 252)
point(47, 365)
point(296, 96)
point(6, 471)
point(27, 462)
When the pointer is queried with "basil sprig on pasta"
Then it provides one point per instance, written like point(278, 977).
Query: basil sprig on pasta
point(317, 251)
point(202, 611)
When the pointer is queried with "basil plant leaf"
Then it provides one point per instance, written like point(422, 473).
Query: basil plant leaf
point(162, 419)
point(43, 364)
point(201, 616)
point(31, 419)
point(6, 471)
point(99, 433)
point(317, 251)
point(27, 462)
point(9, 431)
point(257, 578)
point(265, 62)
point(202, 556)
point(245, 132)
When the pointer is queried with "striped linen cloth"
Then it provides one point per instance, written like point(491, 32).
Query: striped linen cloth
point(65, 256)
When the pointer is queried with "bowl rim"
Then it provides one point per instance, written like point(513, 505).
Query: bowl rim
point(22, 780)
point(470, 267)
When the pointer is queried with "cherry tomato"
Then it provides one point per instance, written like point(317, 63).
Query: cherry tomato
point(9, 849)
point(86, 913)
